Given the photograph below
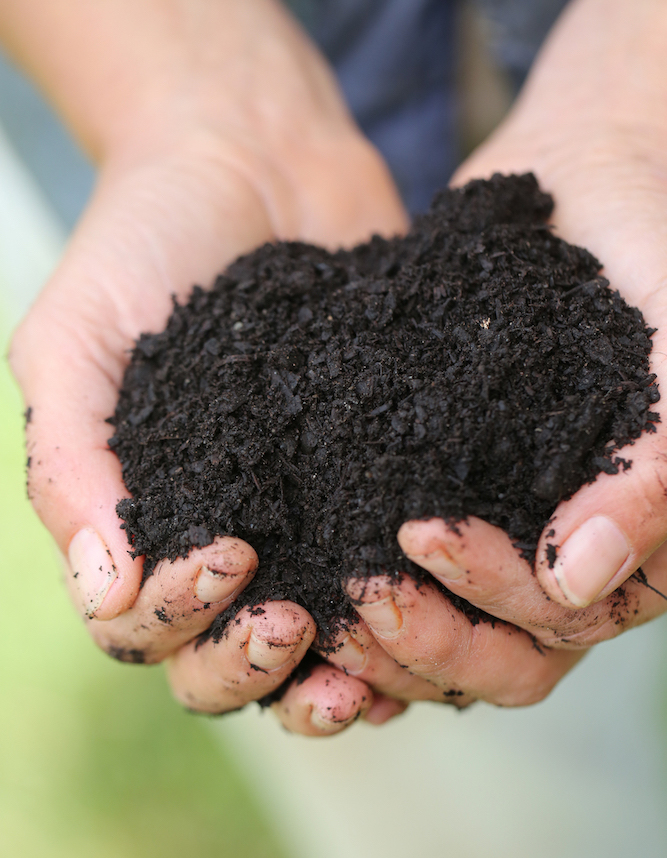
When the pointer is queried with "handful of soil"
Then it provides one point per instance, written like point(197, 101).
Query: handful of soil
point(310, 402)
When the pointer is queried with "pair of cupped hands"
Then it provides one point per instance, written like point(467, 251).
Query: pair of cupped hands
point(174, 213)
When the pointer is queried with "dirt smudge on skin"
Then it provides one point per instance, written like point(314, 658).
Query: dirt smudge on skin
point(127, 655)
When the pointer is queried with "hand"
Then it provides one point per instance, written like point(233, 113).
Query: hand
point(590, 125)
point(185, 186)
point(602, 155)
point(413, 644)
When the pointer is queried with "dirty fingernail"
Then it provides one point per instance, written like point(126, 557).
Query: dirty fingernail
point(383, 616)
point(93, 569)
point(438, 563)
point(212, 586)
point(590, 559)
point(268, 655)
point(351, 656)
point(326, 725)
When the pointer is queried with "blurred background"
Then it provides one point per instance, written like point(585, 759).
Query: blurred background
point(95, 758)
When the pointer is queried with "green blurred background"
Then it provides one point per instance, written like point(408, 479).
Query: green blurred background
point(95, 758)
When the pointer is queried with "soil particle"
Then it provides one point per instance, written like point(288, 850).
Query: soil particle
point(163, 616)
point(622, 605)
point(552, 553)
point(310, 403)
point(640, 576)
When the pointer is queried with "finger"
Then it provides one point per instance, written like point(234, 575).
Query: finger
point(325, 703)
point(599, 537)
point(420, 629)
point(357, 653)
point(615, 209)
point(69, 354)
point(479, 563)
point(383, 709)
point(177, 603)
point(74, 483)
point(255, 656)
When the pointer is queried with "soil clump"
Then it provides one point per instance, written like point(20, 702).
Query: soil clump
point(311, 402)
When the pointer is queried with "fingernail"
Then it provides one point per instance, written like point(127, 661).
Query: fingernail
point(383, 616)
point(93, 569)
point(351, 656)
point(438, 563)
point(590, 559)
point(268, 655)
point(212, 586)
point(326, 725)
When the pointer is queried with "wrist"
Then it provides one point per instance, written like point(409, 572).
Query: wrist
point(603, 66)
point(270, 110)
point(122, 72)
point(234, 83)
point(595, 95)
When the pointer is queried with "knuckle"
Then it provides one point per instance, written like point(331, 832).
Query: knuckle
point(500, 591)
point(440, 669)
point(563, 642)
point(567, 628)
point(602, 622)
point(605, 630)
point(436, 664)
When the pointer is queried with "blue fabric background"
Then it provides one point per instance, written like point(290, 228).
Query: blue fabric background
point(396, 63)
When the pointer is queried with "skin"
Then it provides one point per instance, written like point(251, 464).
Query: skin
point(591, 124)
point(217, 126)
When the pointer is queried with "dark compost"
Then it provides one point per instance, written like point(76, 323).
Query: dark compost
point(311, 402)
